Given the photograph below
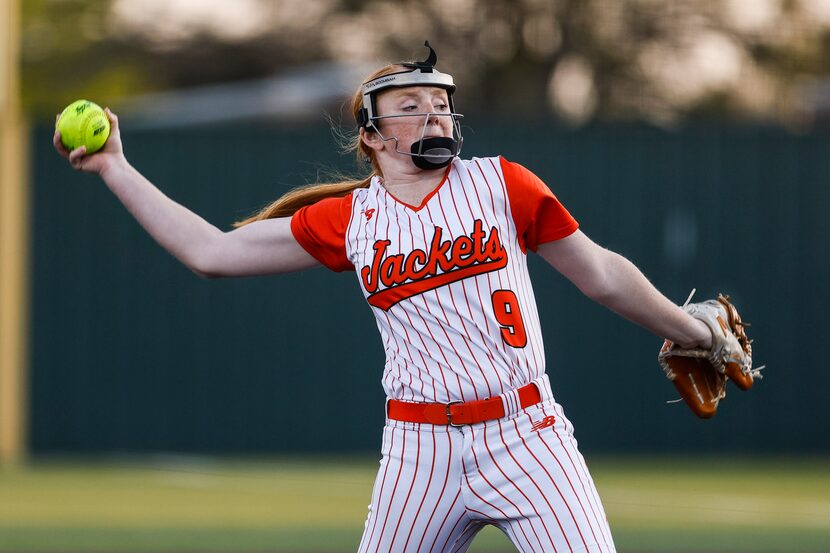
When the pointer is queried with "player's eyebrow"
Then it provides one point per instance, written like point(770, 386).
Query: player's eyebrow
point(404, 94)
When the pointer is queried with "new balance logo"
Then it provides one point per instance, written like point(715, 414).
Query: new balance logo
point(368, 213)
point(544, 423)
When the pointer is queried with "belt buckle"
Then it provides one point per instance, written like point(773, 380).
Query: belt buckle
point(449, 414)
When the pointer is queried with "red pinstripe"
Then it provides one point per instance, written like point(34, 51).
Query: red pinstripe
point(438, 533)
point(576, 471)
point(522, 284)
point(452, 531)
point(581, 470)
point(499, 343)
point(553, 481)
point(466, 537)
point(518, 489)
point(441, 350)
point(522, 280)
point(517, 354)
point(507, 529)
point(446, 362)
point(408, 339)
point(470, 486)
point(434, 387)
point(441, 495)
point(483, 516)
point(583, 476)
point(409, 493)
point(509, 357)
point(504, 515)
point(421, 377)
point(394, 488)
point(527, 289)
point(420, 352)
point(440, 304)
point(460, 360)
point(508, 361)
point(389, 323)
point(426, 492)
point(461, 336)
point(397, 348)
point(412, 387)
point(495, 489)
point(389, 334)
point(449, 340)
point(389, 348)
point(531, 302)
point(380, 490)
point(555, 485)
point(470, 310)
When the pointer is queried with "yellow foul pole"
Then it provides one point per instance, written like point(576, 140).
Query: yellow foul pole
point(13, 241)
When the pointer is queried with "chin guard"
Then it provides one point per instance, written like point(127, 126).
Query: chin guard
point(434, 153)
point(427, 153)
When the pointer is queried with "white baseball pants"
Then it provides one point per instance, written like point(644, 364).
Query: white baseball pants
point(439, 485)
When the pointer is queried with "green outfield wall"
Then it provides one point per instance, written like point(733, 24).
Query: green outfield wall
point(130, 352)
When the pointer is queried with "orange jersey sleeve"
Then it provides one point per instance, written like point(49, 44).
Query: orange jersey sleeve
point(538, 215)
point(320, 228)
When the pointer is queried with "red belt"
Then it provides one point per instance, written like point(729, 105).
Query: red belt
point(457, 413)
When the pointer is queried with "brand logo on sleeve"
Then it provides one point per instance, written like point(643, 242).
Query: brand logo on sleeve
point(392, 278)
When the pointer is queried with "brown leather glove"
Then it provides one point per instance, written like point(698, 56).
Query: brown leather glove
point(700, 375)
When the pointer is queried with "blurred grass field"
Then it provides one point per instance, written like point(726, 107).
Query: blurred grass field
point(178, 504)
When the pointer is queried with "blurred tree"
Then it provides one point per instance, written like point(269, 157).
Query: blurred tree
point(65, 55)
point(658, 60)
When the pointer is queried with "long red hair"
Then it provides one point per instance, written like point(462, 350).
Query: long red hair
point(287, 204)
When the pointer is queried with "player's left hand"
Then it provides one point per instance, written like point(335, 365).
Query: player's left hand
point(700, 375)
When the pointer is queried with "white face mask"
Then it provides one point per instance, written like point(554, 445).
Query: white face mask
point(431, 152)
point(426, 153)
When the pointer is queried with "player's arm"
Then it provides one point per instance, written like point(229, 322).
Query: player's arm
point(264, 247)
point(613, 281)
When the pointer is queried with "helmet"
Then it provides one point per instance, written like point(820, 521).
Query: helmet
point(427, 153)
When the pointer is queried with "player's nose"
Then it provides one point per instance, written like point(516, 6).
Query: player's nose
point(434, 117)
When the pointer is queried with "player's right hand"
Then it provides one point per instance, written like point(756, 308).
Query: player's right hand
point(98, 162)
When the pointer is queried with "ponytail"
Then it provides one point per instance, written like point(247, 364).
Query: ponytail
point(289, 203)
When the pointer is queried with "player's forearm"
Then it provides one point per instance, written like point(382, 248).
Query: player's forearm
point(629, 293)
point(181, 232)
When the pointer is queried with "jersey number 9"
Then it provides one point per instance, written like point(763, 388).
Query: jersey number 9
point(506, 309)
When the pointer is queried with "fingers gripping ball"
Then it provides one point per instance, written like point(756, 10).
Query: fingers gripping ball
point(701, 375)
point(83, 123)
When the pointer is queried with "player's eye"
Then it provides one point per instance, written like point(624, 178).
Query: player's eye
point(410, 108)
point(442, 107)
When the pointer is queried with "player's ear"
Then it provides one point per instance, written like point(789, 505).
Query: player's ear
point(371, 139)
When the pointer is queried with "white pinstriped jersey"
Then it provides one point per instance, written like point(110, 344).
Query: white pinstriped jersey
point(448, 284)
point(447, 280)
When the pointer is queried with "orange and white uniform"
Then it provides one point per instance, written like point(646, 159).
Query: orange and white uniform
point(449, 287)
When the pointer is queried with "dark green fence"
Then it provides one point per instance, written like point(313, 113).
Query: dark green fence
point(131, 352)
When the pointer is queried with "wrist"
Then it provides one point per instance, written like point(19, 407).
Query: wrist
point(116, 166)
point(698, 335)
point(704, 334)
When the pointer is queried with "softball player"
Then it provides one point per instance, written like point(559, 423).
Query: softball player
point(473, 434)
